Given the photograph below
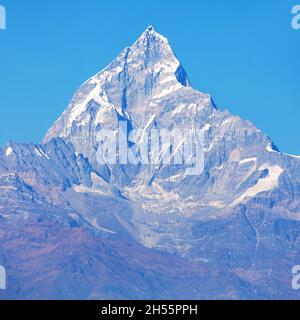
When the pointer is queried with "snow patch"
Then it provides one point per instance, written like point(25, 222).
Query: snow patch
point(95, 224)
point(217, 204)
point(40, 153)
point(206, 127)
point(270, 149)
point(83, 189)
point(267, 183)
point(166, 92)
point(9, 151)
point(179, 109)
point(96, 94)
point(244, 161)
point(291, 155)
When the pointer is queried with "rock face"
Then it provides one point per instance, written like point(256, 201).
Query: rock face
point(71, 227)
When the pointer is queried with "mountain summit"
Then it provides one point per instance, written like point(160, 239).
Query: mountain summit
point(233, 229)
point(143, 72)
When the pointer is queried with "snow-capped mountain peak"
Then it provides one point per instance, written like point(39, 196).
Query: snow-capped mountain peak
point(153, 54)
point(146, 71)
point(240, 215)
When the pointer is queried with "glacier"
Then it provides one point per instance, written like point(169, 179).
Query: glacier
point(73, 228)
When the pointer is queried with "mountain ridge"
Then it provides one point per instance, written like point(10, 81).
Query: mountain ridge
point(239, 218)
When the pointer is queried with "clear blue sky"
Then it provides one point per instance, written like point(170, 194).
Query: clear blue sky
point(244, 53)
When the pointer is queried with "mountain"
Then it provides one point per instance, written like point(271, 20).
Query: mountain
point(74, 227)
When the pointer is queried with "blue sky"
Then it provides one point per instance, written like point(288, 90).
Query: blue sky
point(244, 53)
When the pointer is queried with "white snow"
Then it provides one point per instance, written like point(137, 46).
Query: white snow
point(244, 161)
point(267, 183)
point(8, 188)
point(95, 224)
point(9, 151)
point(40, 153)
point(150, 30)
point(179, 109)
point(270, 149)
point(221, 167)
point(103, 114)
point(165, 92)
point(291, 155)
point(96, 94)
point(168, 79)
point(83, 189)
point(37, 152)
point(170, 67)
point(217, 204)
point(149, 122)
point(206, 127)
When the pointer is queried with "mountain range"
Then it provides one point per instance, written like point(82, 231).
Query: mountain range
point(74, 228)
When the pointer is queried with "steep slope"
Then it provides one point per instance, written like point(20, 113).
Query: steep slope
point(148, 87)
point(233, 228)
